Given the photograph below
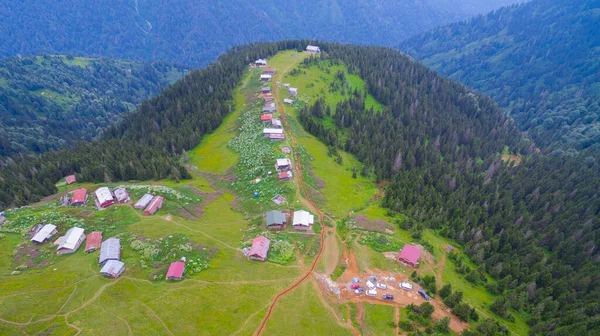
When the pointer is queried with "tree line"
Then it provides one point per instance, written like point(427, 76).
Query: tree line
point(534, 227)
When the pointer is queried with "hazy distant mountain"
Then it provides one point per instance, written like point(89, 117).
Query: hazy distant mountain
point(195, 32)
point(541, 60)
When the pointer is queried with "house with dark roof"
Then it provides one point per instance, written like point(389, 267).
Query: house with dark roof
point(93, 241)
point(259, 249)
point(176, 270)
point(110, 250)
point(80, 197)
point(276, 220)
point(266, 90)
point(113, 268)
point(269, 108)
point(410, 255)
point(70, 179)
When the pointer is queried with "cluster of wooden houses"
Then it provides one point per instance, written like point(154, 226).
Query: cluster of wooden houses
point(110, 249)
point(284, 169)
point(278, 220)
point(105, 197)
point(69, 243)
point(150, 204)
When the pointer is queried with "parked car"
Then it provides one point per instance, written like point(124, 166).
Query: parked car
point(406, 285)
point(381, 286)
point(423, 294)
point(370, 284)
point(359, 290)
point(355, 286)
point(387, 297)
point(373, 279)
point(355, 280)
point(372, 292)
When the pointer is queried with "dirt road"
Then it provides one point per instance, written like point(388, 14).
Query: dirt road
point(305, 199)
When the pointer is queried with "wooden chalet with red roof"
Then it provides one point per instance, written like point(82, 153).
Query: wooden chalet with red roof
point(80, 197)
point(93, 241)
point(266, 118)
point(176, 270)
point(410, 255)
point(70, 179)
point(259, 249)
point(155, 204)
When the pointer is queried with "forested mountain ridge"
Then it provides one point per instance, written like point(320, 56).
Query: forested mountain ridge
point(196, 32)
point(534, 227)
point(540, 60)
point(49, 102)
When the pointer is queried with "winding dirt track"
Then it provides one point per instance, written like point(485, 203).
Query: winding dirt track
point(307, 200)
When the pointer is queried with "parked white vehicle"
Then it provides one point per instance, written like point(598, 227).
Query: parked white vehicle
point(406, 285)
point(372, 292)
point(370, 285)
point(381, 286)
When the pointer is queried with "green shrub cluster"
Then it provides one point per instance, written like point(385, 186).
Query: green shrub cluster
point(380, 242)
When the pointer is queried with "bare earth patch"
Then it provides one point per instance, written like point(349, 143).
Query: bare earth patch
point(511, 158)
point(376, 225)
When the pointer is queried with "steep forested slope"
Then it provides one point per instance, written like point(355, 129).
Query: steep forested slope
point(534, 227)
point(48, 102)
point(195, 32)
point(146, 144)
point(540, 60)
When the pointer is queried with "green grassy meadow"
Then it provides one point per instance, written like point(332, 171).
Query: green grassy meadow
point(66, 295)
point(301, 313)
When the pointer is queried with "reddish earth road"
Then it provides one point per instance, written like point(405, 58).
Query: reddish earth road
point(314, 207)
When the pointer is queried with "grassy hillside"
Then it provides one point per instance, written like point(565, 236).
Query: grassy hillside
point(195, 33)
point(216, 210)
point(426, 148)
point(50, 102)
point(539, 60)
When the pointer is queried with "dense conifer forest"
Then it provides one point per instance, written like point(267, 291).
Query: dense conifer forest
point(194, 33)
point(49, 102)
point(540, 60)
point(534, 227)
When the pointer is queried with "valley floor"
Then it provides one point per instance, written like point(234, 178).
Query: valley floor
point(304, 286)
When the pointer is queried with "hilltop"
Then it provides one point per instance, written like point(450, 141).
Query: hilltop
point(539, 60)
point(381, 158)
point(195, 33)
point(50, 102)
